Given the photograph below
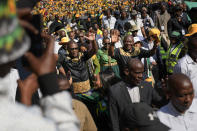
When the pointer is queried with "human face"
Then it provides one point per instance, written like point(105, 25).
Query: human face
point(173, 40)
point(106, 44)
point(144, 14)
point(105, 33)
point(72, 35)
point(62, 33)
point(134, 17)
point(163, 8)
point(182, 97)
point(73, 50)
point(124, 14)
point(63, 84)
point(108, 13)
point(178, 13)
point(128, 43)
point(138, 44)
point(136, 73)
point(81, 37)
point(134, 33)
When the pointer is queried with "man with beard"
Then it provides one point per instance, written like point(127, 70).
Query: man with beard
point(181, 112)
point(132, 90)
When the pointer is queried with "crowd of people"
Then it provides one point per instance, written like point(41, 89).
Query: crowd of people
point(107, 66)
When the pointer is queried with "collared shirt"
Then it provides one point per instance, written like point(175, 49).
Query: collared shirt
point(138, 22)
point(188, 67)
point(109, 23)
point(169, 116)
point(134, 94)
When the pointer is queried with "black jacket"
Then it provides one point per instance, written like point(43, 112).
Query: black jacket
point(175, 25)
point(119, 98)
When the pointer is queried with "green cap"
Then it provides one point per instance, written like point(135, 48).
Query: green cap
point(175, 34)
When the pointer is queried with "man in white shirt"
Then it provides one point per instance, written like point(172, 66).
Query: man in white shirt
point(109, 21)
point(180, 114)
point(137, 21)
point(188, 64)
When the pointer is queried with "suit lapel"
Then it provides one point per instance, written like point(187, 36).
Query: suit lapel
point(126, 93)
point(141, 89)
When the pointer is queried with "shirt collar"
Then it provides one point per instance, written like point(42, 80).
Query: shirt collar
point(173, 109)
point(193, 107)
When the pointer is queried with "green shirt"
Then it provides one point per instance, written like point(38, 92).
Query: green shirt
point(103, 57)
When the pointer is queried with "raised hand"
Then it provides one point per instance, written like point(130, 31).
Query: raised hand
point(91, 36)
point(114, 39)
point(46, 63)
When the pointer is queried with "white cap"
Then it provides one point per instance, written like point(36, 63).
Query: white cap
point(136, 39)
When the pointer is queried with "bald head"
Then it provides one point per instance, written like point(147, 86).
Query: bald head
point(181, 92)
point(179, 81)
point(135, 71)
point(135, 63)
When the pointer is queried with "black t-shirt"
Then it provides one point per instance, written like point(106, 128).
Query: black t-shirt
point(77, 67)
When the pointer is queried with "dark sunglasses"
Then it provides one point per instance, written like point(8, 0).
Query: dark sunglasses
point(106, 43)
point(74, 48)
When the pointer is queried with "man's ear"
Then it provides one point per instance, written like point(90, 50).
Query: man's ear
point(126, 71)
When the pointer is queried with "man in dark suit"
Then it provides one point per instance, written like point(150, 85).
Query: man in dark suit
point(132, 90)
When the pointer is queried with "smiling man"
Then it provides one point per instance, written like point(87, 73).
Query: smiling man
point(132, 90)
point(181, 113)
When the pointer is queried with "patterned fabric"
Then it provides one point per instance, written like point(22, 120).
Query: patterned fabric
point(13, 42)
point(81, 87)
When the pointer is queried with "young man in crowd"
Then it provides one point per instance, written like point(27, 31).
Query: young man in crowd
point(181, 112)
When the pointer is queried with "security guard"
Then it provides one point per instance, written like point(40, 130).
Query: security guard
point(175, 51)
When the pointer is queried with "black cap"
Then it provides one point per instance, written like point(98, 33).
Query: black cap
point(142, 117)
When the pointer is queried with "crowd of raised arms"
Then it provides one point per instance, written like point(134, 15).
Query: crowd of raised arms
point(98, 65)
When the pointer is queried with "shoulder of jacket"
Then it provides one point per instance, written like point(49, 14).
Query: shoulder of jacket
point(117, 86)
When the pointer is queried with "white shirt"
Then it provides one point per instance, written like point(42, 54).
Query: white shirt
point(118, 44)
point(57, 47)
point(109, 23)
point(139, 24)
point(55, 112)
point(169, 116)
point(188, 67)
point(134, 94)
point(10, 78)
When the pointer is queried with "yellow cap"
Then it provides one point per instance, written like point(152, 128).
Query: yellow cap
point(192, 30)
point(64, 40)
point(154, 31)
